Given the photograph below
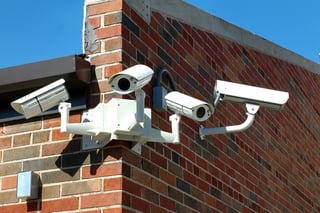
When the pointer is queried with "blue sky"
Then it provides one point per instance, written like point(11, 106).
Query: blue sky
point(37, 30)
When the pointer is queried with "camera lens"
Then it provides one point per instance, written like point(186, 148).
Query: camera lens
point(201, 112)
point(123, 84)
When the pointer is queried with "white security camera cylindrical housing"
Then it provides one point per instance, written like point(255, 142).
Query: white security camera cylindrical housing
point(42, 99)
point(188, 106)
point(131, 79)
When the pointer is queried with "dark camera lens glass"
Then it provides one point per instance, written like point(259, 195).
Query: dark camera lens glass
point(201, 112)
point(124, 84)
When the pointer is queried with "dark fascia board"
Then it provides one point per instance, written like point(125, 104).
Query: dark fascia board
point(38, 74)
point(18, 81)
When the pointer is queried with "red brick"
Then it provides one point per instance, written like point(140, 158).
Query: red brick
point(66, 204)
point(61, 147)
point(158, 186)
point(131, 187)
point(105, 7)
point(111, 184)
point(101, 87)
point(95, 22)
point(99, 200)
point(159, 160)
point(5, 142)
point(112, 69)
point(167, 177)
point(9, 182)
point(140, 205)
point(57, 135)
point(105, 170)
point(51, 122)
point(190, 178)
point(113, 210)
point(107, 58)
point(22, 127)
point(14, 208)
point(108, 32)
point(168, 203)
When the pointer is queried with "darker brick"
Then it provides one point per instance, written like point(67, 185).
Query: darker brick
point(232, 210)
point(40, 137)
point(126, 170)
point(215, 192)
point(164, 56)
point(202, 143)
point(182, 185)
point(172, 31)
point(175, 194)
point(79, 159)
point(175, 157)
point(60, 176)
point(245, 57)
point(130, 25)
point(8, 197)
point(165, 35)
point(21, 140)
point(75, 188)
point(212, 149)
point(140, 57)
point(193, 82)
point(196, 148)
point(232, 144)
point(191, 202)
point(10, 168)
point(204, 74)
point(253, 196)
point(21, 153)
point(177, 26)
point(40, 164)
point(181, 208)
point(150, 168)
point(263, 163)
point(150, 195)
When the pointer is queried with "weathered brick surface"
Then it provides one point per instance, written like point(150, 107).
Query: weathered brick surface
point(22, 127)
point(21, 153)
point(50, 192)
point(89, 186)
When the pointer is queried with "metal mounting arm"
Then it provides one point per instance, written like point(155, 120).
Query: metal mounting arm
point(119, 119)
point(88, 128)
point(251, 111)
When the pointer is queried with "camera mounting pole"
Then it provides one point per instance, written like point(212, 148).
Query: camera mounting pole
point(140, 97)
point(252, 109)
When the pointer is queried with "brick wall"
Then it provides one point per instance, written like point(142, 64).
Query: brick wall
point(271, 167)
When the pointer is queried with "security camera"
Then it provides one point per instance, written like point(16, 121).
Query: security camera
point(188, 106)
point(228, 91)
point(131, 79)
point(42, 99)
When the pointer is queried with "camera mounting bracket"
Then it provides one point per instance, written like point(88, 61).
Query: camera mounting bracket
point(252, 109)
point(117, 120)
